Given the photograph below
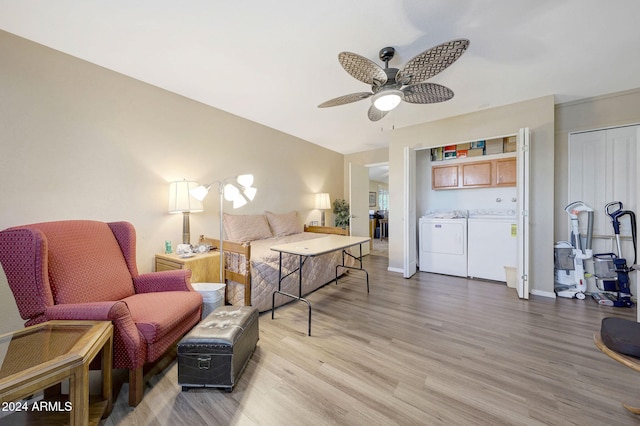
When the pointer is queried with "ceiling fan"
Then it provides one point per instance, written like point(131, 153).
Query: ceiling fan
point(390, 86)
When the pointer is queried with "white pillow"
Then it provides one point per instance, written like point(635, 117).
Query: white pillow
point(284, 224)
point(244, 228)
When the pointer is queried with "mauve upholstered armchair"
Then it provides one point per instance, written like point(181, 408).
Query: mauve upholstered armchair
point(86, 270)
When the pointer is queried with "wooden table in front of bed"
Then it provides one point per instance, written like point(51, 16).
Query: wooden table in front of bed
point(312, 248)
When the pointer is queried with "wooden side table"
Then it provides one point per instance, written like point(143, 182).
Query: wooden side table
point(46, 354)
point(205, 267)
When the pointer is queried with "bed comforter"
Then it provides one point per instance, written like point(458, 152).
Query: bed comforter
point(317, 271)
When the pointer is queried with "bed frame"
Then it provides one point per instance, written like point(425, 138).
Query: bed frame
point(244, 250)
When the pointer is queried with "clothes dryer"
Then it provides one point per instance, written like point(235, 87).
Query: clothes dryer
point(443, 243)
point(492, 243)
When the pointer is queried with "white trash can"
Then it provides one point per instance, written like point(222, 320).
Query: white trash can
point(512, 276)
point(212, 296)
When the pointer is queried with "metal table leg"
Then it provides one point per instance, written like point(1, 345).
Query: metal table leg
point(299, 297)
point(359, 259)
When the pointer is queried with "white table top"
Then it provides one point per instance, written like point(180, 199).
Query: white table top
point(318, 246)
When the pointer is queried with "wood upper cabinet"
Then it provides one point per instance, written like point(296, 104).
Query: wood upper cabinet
point(506, 172)
point(444, 177)
point(475, 174)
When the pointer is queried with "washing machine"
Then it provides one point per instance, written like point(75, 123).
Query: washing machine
point(443, 243)
point(492, 243)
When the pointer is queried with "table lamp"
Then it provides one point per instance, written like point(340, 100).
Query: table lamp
point(181, 201)
point(322, 203)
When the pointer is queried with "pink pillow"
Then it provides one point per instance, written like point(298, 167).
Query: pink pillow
point(244, 228)
point(284, 224)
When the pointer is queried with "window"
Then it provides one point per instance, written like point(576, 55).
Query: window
point(383, 199)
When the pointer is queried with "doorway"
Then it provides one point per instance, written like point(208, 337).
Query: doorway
point(522, 143)
point(379, 208)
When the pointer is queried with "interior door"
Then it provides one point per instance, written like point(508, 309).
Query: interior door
point(359, 202)
point(409, 216)
point(603, 167)
point(523, 165)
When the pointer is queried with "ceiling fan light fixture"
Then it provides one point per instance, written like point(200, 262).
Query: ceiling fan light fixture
point(387, 100)
point(392, 86)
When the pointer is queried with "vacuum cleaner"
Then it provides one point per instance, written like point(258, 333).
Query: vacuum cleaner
point(570, 280)
point(611, 270)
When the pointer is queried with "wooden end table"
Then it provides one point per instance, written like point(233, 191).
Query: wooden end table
point(205, 267)
point(43, 355)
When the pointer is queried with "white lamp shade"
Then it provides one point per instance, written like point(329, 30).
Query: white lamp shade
point(250, 193)
point(200, 192)
point(322, 201)
point(231, 192)
point(180, 198)
point(245, 180)
point(239, 201)
point(388, 99)
point(240, 195)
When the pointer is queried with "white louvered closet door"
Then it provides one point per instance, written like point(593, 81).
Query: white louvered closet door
point(603, 167)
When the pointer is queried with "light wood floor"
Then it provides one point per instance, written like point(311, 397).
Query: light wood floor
point(428, 350)
point(380, 247)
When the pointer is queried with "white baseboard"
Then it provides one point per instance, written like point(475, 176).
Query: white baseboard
point(400, 270)
point(550, 294)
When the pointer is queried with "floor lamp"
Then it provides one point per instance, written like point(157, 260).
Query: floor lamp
point(237, 189)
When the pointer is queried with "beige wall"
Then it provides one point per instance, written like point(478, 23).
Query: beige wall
point(79, 141)
point(616, 109)
point(364, 158)
point(538, 115)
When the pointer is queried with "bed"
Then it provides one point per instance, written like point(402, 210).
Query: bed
point(251, 267)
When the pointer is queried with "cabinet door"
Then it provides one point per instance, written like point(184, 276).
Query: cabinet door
point(506, 172)
point(477, 174)
point(444, 177)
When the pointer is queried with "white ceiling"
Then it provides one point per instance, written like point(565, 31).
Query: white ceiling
point(379, 173)
point(273, 62)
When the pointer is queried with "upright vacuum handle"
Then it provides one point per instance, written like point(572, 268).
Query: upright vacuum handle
point(613, 213)
point(615, 216)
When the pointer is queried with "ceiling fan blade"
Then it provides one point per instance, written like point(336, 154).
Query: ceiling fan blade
point(432, 61)
point(427, 93)
point(362, 68)
point(375, 114)
point(345, 99)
